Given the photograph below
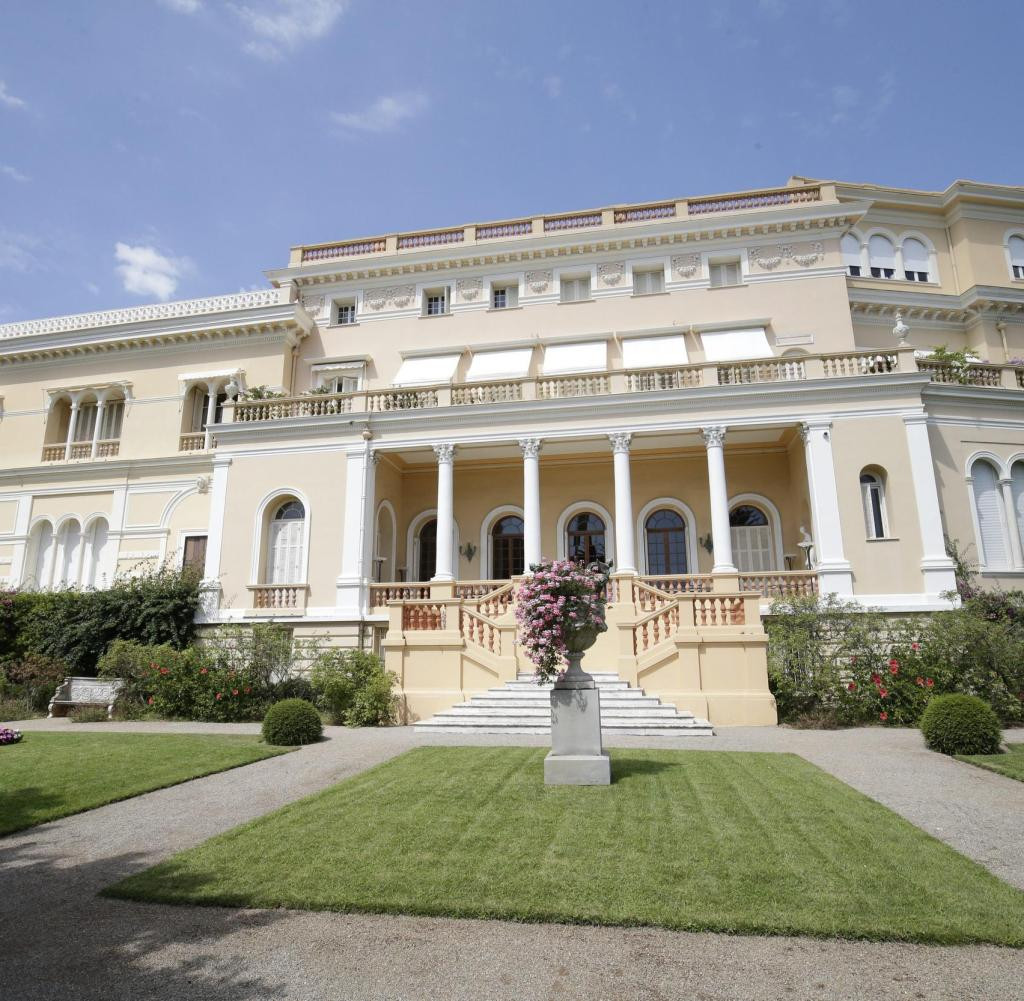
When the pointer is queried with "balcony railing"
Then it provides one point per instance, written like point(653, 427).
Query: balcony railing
point(511, 229)
point(848, 365)
point(106, 448)
point(284, 598)
point(193, 442)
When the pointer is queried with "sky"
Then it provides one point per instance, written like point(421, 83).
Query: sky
point(170, 149)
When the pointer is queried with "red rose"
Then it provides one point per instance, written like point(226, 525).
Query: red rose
point(234, 691)
point(150, 700)
point(248, 690)
point(929, 682)
point(915, 646)
point(163, 670)
point(218, 695)
point(876, 678)
point(884, 692)
point(852, 686)
point(203, 670)
point(919, 681)
point(894, 663)
point(894, 670)
point(883, 716)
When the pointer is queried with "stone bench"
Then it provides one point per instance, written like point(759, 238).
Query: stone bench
point(72, 692)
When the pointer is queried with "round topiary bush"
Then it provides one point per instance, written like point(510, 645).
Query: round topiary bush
point(292, 721)
point(961, 724)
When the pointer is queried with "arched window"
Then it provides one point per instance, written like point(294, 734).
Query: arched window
point(916, 260)
point(850, 247)
point(988, 505)
point(1017, 490)
point(285, 540)
point(873, 497)
point(96, 546)
point(427, 556)
point(666, 542)
point(39, 566)
point(69, 543)
point(751, 539)
point(881, 257)
point(1016, 248)
point(585, 538)
point(507, 547)
point(384, 544)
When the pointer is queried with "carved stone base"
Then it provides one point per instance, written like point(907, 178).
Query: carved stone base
point(577, 757)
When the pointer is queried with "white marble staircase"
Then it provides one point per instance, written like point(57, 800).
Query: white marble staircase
point(523, 706)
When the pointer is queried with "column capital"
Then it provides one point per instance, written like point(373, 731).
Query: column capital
point(530, 447)
point(445, 452)
point(814, 425)
point(374, 457)
point(714, 435)
point(620, 441)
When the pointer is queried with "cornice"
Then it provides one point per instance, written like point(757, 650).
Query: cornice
point(120, 469)
point(808, 219)
point(939, 307)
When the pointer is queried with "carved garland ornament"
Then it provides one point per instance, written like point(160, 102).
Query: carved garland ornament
point(398, 296)
point(769, 258)
point(313, 305)
point(469, 288)
point(611, 274)
point(686, 266)
point(539, 281)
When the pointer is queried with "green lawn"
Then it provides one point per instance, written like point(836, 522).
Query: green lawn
point(700, 840)
point(1011, 763)
point(51, 775)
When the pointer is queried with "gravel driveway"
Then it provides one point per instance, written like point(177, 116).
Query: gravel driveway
point(59, 940)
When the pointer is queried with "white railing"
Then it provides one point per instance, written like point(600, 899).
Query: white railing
point(381, 594)
point(654, 380)
point(752, 200)
point(192, 442)
point(486, 392)
point(783, 584)
point(948, 373)
point(401, 399)
point(679, 583)
point(563, 387)
point(859, 363)
point(745, 373)
point(142, 314)
point(279, 597)
point(311, 405)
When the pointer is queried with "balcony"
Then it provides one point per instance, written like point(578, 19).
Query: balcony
point(761, 371)
point(278, 599)
point(103, 449)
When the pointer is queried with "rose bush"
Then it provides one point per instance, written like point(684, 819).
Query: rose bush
point(558, 599)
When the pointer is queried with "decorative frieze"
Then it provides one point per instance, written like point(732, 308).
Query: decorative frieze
point(394, 297)
point(611, 274)
point(770, 257)
point(686, 266)
point(539, 282)
point(314, 305)
point(469, 289)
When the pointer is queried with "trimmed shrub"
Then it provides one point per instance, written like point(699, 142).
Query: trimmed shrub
point(961, 724)
point(353, 688)
point(292, 721)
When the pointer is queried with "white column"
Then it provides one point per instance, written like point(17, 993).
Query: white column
point(353, 583)
point(531, 501)
point(834, 573)
point(936, 566)
point(625, 551)
point(721, 537)
point(445, 452)
point(19, 554)
point(1011, 523)
point(100, 405)
point(210, 588)
point(211, 413)
point(72, 425)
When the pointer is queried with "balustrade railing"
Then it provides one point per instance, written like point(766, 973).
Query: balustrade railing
point(423, 616)
point(949, 373)
point(381, 594)
point(655, 379)
point(718, 610)
point(192, 442)
point(486, 392)
point(783, 584)
point(499, 230)
point(108, 448)
point(476, 588)
point(577, 220)
point(564, 387)
point(858, 363)
point(352, 248)
point(744, 373)
point(279, 597)
point(679, 583)
point(658, 625)
point(642, 213)
point(436, 238)
point(54, 453)
point(401, 399)
point(753, 200)
point(480, 630)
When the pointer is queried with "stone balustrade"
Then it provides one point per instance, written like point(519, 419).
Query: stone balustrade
point(279, 598)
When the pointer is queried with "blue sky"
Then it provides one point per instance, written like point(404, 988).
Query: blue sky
point(154, 149)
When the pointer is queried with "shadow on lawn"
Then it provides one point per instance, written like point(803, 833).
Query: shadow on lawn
point(58, 938)
point(625, 767)
point(25, 807)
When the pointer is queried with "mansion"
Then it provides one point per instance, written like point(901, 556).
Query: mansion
point(730, 398)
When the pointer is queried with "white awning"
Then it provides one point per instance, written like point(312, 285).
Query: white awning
point(512, 363)
point(426, 370)
point(732, 345)
point(654, 352)
point(580, 356)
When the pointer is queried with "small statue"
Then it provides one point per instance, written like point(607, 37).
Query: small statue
point(806, 544)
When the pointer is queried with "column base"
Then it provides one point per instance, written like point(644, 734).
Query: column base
point(577, 757)
point(577, 769)
point(834, 579)
point(939, 576)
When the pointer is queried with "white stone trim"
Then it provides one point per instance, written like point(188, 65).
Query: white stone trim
point(689, 520)
point(774, 522)
point(578, 507)
point(486, 553)
point(259, 535)
point(412, 542)
point(388, 573)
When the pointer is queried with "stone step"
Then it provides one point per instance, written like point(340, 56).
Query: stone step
point(513, 701)
point(701, 729)
point(532, 686)
point(467, 709)
point(544, 694)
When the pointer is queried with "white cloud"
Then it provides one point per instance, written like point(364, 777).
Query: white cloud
point(385, 114)
point(146, 271)
point(553, 86)
point(17, 251)
point(92, 287)
point(182, 6)
point(285, 25)
point(7, 98)
point(13, 173)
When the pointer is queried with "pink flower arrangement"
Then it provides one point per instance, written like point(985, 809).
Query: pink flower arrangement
point(9, 736)
point(559, 599)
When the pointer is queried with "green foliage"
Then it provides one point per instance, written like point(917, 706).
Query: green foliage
point(262, 652)
point(830, 660)
point(261, 393)
point(292, 721)
point(959, 362)
point(88, 714)
point(965, 572)
point(34, 678)
point(353, 688)
point(16, 708)
point(76, 627)
point(961, 724)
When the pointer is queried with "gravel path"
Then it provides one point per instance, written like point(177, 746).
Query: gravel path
point(59, 940)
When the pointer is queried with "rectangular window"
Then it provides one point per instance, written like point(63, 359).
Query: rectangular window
point(86, 422)
point(725, 273)
point(916, 276)
point(344, 312)
point(343, 384)
point(854, 270)
point(504, 296)
point(1018, 271)
point(575, 289)
point(649, 282)
point(194, 553)
point(113, 415)
point(435, 302)
point(882, 272)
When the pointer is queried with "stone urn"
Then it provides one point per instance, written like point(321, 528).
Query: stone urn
point(577, 756)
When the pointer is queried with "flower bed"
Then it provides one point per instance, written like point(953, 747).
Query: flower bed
point(9, 736)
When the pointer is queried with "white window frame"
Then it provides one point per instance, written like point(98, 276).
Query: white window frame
point(718, 261)
point(770, 511)
point(1017, 232)
point(265, 510)
point(511, 290)
point(643, 275)
point(867, 490)
point(996, 464)
point(572, 283)
point(442, 292)
point(336, 312)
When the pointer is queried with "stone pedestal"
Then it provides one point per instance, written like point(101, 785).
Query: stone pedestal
point(576, 756)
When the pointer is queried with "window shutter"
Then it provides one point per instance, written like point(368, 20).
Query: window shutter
point(752, 548)
point(850, 247)
point(113, 415)
point(86, 423)
point(284, 559)
point(915, 256)
point(869, 518)
point(1017, 479)
point(988, 502)
point(1017, 251)
point(881, 253)
point(44, 549)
